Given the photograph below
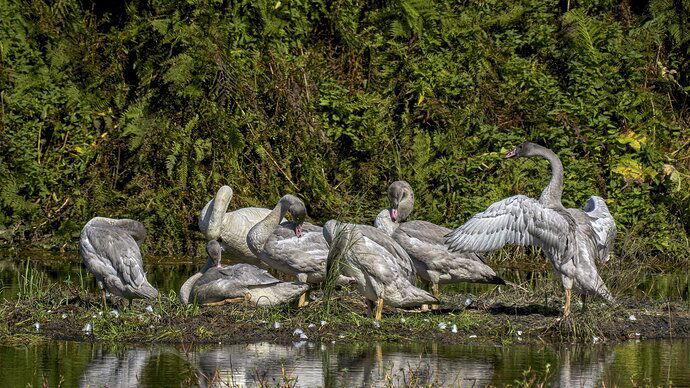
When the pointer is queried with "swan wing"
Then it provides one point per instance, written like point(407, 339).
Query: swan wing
point(516, 220)
point(379, 237)
point(603, 225)
point(118, 253)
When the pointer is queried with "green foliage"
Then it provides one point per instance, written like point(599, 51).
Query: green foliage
point(144, 110)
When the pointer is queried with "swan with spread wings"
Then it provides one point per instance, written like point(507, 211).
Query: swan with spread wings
point(572, 239)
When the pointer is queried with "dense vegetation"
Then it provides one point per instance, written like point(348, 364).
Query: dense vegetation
point(144, 109)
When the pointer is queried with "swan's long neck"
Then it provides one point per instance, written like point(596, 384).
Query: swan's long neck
point(259, 233)
point(551, 195)
point(211, 218)
point(186, 288)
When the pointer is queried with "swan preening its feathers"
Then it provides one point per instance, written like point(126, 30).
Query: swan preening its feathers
point(572, 239)
point(383, 261)
point(110, 251)
point(425, 243)
point(215, 284)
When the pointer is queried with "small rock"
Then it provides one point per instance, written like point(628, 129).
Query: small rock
point(632, 318)
point(276, 325)
point(468, 302)
point(37, 326)
point(298, 332)
point(595, 339)
point(64, 315)
point(323, 323)
point(519, 333)
point(50, 311)
point(115, 313)
point(219, 343)
point(473, 336)
point(100, 313)
point(442, 325)
point(340, 336)
point(519, 339)
point(311, 326)
point(454, 328)
point(402, 320)
point(637, 334)
point(87, 328)
point(303, 336)
point(262, 322)
point(149, 308)
point(377, 324)
point(332, 341)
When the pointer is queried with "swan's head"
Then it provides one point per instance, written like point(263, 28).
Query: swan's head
point(296, 208)
point(134, 228)
point(525, 150)
point(214, 252)
point(401, 198)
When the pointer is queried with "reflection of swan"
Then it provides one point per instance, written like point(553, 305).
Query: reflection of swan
point(110, 251)
point(383, 271)
point(217, 284)
point(231, 227)
point(110, 370)
point(253, 364)
point(425, 243)
point(579, 373)
point(570, 238)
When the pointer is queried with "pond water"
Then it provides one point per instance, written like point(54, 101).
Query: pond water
point(315, 365)
point(327, 364)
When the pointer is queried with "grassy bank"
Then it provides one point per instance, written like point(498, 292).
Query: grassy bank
point(504, 315)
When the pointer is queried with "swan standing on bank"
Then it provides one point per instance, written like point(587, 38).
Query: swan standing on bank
point(215, 284)
point(110, 251)
point(294, 247)
point(425, 243)
point(381, 268)
point(571, 239)
point(230, 228)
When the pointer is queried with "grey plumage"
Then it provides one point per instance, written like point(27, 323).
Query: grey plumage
point(567, 236)
point(215, 283)
point(295, 247)
point(110, 251)
point(380, 269)
point(230, 228)
point(425, 243)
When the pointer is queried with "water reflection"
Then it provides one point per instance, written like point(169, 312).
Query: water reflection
point(315, 365)
point(115, 370)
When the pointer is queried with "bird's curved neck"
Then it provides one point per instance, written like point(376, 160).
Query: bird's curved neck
point(211, 219)
point(384, 222)
point(186, 288)
point(551, 195)
point(133, 228)
point(259, 233)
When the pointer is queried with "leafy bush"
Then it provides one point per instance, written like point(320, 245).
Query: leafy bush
point(143, 110)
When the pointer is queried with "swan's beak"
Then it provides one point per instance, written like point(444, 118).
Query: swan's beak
point(298, 231)
point(511, 154)
point(394, 213)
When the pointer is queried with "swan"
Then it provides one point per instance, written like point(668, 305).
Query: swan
point(381, 268)
point(425, 243)
point(294, 247)
point(215, 284)
point(572, 239)
point(110, 251)
point(230, 228)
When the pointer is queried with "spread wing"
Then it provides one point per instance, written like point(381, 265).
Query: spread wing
point(603, 225)
point(516, 220)
point(118, 254)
